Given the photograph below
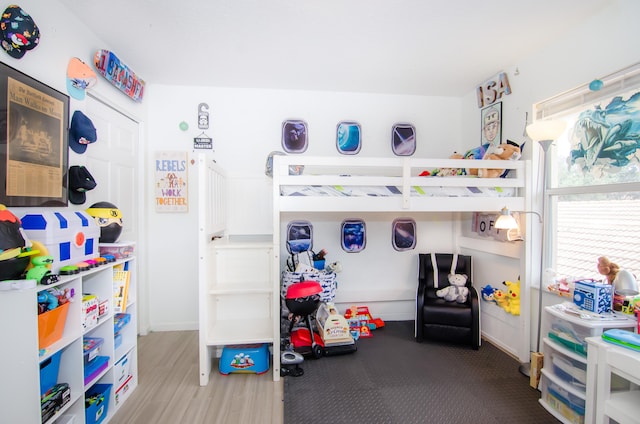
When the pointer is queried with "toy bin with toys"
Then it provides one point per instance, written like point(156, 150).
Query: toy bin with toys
point(120, 250)
point(51, 325)
point(49, 372)
point(247, 358)
point(69, 237)
point(97, 403)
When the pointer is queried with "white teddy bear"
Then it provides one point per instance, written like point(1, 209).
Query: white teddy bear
point(457, 291)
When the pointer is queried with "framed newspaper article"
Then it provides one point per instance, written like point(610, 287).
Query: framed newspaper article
point(33, 141)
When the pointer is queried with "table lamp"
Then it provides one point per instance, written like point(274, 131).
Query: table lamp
point(625, 284)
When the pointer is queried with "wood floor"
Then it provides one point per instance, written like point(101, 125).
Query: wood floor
point(168, 389)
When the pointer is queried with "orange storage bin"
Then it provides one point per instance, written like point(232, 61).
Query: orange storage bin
point(51, 325)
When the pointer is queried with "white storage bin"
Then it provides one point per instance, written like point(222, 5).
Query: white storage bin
point(567, 404)
point(568, 369)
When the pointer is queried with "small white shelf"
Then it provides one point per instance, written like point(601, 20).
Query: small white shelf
point(21, 359)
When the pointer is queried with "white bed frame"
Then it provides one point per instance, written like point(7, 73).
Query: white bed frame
point(403, 172)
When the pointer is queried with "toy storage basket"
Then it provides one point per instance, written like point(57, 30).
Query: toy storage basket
point(326, 279)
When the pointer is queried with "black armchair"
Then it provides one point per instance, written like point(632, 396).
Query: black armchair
point(437, 318)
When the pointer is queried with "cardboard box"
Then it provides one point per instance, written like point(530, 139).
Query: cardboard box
point(90, 306)
point(592, 296)
point(537, 361)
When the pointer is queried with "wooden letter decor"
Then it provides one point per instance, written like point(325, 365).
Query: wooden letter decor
point(493, 90)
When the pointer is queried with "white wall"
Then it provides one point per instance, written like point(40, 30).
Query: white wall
point(63, 37)
point(600, 46)
point(245, 127)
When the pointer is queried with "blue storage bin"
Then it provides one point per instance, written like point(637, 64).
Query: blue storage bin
point(119, 321)
point(97, 403)
point(49, 372)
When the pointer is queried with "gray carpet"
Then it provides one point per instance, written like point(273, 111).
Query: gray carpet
point(393, 379)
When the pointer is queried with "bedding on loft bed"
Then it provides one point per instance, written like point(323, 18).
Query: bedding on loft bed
point(387, 191)
point(308, 183)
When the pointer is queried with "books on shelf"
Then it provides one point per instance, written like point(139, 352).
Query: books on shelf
point(121, 276)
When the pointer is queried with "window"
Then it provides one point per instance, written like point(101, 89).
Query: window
point(593, 194)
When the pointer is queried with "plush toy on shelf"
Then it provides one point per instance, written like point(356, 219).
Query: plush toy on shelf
point(449, 172)
point(513, 297)
point(607, 268)
point(457, 291)
point(500, 297)
point(504, 151)
point(487, 293)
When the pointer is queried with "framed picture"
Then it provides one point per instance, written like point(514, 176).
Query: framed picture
point(403, 139)
point(33, 141)
point(348, 138)
point(294, 136)
point(353, 235)
point(491, 131)
point(403, 234)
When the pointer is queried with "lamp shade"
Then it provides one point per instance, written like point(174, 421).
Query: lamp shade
point(505, 220)
point(546, 130)
point(625, 283)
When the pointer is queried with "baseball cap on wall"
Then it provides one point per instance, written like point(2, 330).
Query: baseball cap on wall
point(80, 77)
point(80, 181)
point(19, 32)
point(81, 132)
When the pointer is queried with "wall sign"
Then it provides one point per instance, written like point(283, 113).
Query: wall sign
point(119, 74)
point(492, 91)
point(203, 116)
point(203, 142)
point(171, 188)
point(484, 225)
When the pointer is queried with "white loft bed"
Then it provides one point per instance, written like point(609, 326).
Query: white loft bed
point(359, 184)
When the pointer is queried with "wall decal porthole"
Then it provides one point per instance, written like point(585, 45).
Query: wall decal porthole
point(299, 236)
point(403, 139)
point(294, 136)
point(353, 235)
point(348, 138)
point(403, 234)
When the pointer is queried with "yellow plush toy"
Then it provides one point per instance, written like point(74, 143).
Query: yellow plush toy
point(513, 297)
point(500, 298)
point(504, 151)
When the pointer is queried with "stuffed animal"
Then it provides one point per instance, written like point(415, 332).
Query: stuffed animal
point(449, 172)
point(504, 151)
point(513, 297)
point(457, 291)
point(475, 153)
point(500, 298)
point(607, 268)
point(487, 293)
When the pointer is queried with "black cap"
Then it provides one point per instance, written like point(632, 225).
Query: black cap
point(80, 181)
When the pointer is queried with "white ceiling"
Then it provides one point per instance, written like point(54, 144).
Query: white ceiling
point(422, 47)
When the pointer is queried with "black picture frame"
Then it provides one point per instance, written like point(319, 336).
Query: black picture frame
point(34, 153)
point(491, 125)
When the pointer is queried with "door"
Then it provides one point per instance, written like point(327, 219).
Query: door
point(115, 162)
